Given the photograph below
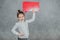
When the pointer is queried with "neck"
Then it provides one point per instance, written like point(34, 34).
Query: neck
point(21, 21)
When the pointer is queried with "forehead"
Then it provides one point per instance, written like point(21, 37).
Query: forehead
point(21, 15)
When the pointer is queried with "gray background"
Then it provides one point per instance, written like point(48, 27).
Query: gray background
point(45, 27)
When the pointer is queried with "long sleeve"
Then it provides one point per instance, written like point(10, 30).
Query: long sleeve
point(14, 29)
point(31, 20)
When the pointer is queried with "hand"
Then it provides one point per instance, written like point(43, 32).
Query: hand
point(33, 10)
point(21, 34)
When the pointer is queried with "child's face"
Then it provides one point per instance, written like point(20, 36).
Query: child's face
point(21, 17)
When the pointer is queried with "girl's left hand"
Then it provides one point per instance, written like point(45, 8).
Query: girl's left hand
point(33, 10)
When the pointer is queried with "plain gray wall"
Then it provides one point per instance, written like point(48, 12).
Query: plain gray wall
point(45, 27)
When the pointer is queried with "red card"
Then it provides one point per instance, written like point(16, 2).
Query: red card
point(28, 6)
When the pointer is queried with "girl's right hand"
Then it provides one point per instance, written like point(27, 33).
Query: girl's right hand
point(21, 34)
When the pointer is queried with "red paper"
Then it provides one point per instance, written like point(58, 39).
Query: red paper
point(28, 6)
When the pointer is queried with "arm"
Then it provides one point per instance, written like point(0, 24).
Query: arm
point(14, 29)
point(31, 20)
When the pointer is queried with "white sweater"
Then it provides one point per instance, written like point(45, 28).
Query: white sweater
point(22, 26)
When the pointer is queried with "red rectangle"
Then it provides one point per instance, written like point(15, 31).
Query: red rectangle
point(28, 6)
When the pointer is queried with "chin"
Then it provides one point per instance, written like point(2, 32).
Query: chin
point(22, 19)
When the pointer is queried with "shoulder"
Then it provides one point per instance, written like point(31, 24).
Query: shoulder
point(17, 23)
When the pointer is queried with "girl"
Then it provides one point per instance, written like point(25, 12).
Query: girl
point(22, 26)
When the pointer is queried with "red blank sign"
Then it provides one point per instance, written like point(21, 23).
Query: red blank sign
point(28, 6)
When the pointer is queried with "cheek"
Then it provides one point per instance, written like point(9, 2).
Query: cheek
point(23, 17)
point(19, 18)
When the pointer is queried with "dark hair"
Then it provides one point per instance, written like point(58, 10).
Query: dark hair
point(20, 12)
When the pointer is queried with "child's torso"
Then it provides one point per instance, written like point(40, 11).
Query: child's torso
point(23, 27)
